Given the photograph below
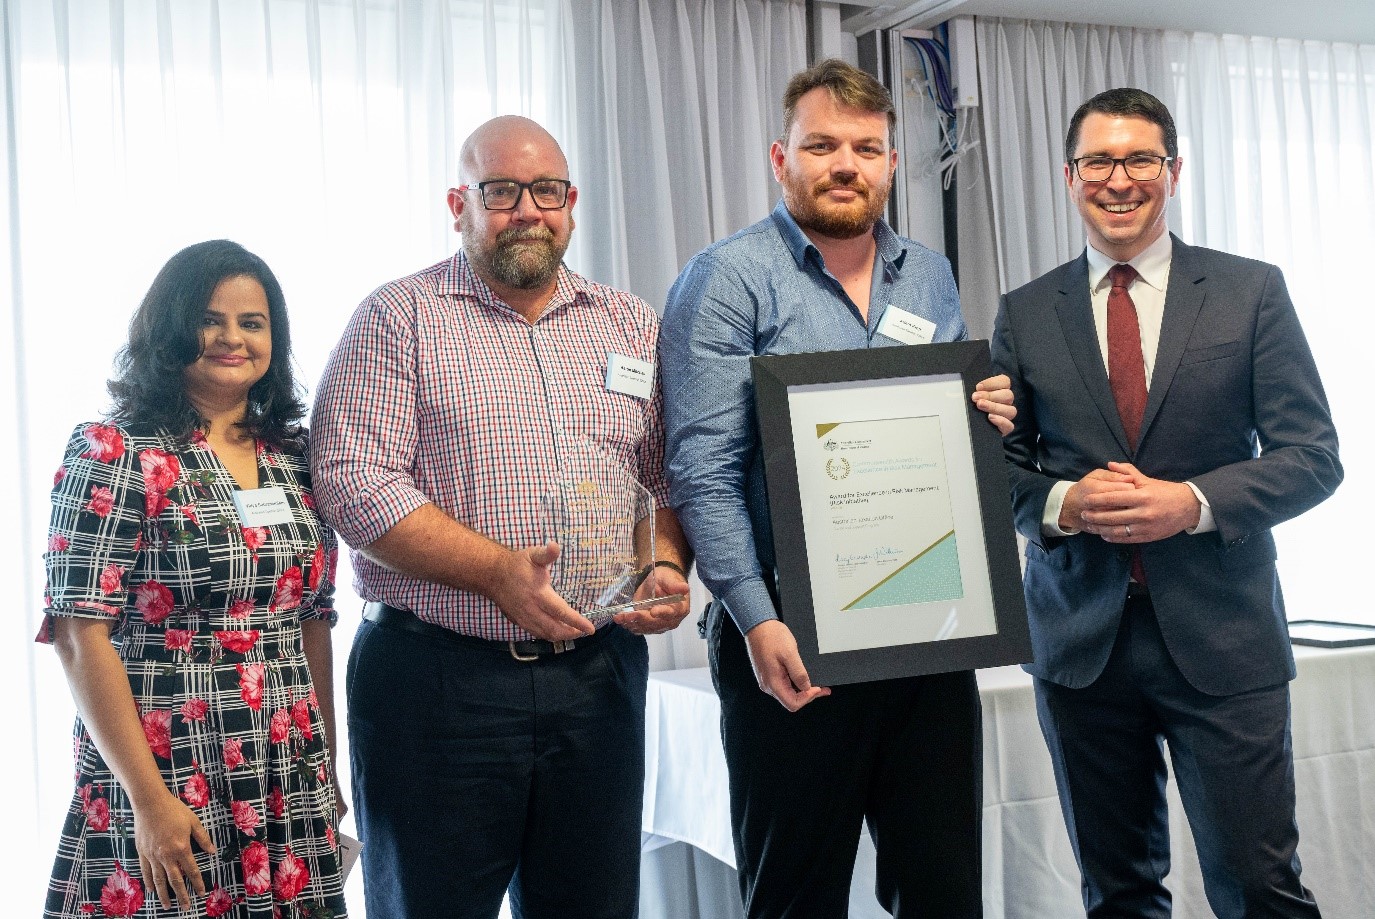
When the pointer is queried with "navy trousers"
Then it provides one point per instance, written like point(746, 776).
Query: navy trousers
point(1233, 762)
point(906, 755)
point(474, 772)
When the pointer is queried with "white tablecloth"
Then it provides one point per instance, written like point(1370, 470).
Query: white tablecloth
point(1029, 870)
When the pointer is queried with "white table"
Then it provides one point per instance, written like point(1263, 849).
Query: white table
point(1029, 870)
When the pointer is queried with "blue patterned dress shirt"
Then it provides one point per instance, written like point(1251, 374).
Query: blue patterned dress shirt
point(764, 290)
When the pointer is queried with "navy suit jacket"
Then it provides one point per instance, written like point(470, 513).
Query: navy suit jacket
point(1235, 406)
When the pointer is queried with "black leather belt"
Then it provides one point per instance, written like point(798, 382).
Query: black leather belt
point(393, 617)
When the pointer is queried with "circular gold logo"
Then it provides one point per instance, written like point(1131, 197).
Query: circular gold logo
point(838, 468)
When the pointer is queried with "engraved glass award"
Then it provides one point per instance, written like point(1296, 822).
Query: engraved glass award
point(603, 520)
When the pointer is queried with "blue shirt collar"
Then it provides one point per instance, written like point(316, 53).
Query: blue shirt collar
point(891, 251)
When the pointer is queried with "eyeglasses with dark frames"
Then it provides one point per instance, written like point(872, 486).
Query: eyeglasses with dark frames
point(1139, 167)
point(504, 194)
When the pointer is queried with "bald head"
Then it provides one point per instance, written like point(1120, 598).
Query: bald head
point(506, 138)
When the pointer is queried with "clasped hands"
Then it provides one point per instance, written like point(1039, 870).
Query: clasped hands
point(1123, 505)
point(525, 595)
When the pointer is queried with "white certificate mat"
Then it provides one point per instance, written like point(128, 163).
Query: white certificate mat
point(890, 507)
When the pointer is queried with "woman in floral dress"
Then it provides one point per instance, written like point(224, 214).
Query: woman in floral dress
point(189, 597)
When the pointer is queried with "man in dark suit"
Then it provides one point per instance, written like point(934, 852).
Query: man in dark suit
point(1169, 415)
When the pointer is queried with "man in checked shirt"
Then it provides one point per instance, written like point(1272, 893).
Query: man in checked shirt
point(497, 736)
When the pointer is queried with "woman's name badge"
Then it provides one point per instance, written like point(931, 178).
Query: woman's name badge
point(906, 327)
point(627, 375)
point(261, 507)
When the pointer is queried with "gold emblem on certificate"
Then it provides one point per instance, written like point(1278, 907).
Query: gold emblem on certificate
point(603, 520)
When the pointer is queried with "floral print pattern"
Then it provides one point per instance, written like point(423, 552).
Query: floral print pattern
point(206, 617)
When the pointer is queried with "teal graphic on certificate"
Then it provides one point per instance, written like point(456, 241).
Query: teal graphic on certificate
point(888, 499)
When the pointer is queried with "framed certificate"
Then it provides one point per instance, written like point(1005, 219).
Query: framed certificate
point(892, 521)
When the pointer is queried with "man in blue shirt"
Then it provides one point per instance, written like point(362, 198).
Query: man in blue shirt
point(808, 763)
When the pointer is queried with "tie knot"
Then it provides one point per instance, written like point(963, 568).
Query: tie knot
point(1122, 275)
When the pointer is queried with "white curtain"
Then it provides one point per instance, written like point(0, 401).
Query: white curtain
point(321, 134)
point(1276, 136)
point(1278, 142)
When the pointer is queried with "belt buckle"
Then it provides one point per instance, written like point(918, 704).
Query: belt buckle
point(559, 648)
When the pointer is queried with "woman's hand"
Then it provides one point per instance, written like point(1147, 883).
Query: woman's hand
point(164, 829)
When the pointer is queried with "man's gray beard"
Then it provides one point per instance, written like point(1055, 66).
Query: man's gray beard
point(524, 267)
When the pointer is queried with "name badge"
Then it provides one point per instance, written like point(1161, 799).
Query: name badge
point(627, 375)
point(908, 328)
point(260, 507)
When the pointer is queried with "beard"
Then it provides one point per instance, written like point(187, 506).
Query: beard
point(514, 261)
point(837, 221)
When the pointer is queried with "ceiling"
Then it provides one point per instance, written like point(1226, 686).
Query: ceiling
point(1328, 20)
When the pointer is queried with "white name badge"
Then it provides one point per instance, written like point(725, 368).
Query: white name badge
point(629, 376)
point(908, 328)
point(260, 507)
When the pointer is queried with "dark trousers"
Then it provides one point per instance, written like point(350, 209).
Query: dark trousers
point(473, 771)
point(904, 754)
point(1233, 763)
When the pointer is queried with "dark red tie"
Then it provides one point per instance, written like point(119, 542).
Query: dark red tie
point(1126, 369)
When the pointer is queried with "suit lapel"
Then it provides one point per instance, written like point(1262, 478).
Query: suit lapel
point(1075, 309)
point(1183, 301)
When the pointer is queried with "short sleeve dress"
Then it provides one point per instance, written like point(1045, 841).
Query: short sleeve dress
point(207, 619)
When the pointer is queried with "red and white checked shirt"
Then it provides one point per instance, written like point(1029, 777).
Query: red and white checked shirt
point(440, 392)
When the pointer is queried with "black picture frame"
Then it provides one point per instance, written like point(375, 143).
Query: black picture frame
point(1323, 633)
point(773, 376)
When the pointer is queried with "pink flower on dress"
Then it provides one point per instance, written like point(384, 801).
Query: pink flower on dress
point(218, 902)
point(245, 817)
point(157, 728)
point(111, 578)
point(233, 753)
point(196, 791)
point(103, 443)
point(308, 500)
point(321, 774)
point(59, 475)
point(98, 815)
point(239, 642)
point(193, 710)
point(241, 609)
point(292, 877)
point(177, 639)
point(254, 537)
point(300, 713)
point(279, 729)
point(154, 601)
point(122, 894)
point(160, 469)
point(251, 685)
point(58, 543)
point(317, 564)
point(189, 512)
point(102, 501)
point(276, 802)
point(288, 592)
point(257, 873)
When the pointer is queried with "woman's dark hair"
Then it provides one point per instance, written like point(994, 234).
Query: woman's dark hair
point(165, 338)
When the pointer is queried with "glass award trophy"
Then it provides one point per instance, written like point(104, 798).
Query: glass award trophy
point(603, 520)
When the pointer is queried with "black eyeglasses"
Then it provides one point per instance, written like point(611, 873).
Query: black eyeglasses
point(504, 194)
point(1141, 167)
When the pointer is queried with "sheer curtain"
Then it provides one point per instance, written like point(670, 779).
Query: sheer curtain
point(1279, 165)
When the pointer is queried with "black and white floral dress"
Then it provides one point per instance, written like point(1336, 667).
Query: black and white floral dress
point(207, 619)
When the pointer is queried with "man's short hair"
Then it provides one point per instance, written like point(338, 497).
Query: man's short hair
point(1125, 102)
point(848, 86)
